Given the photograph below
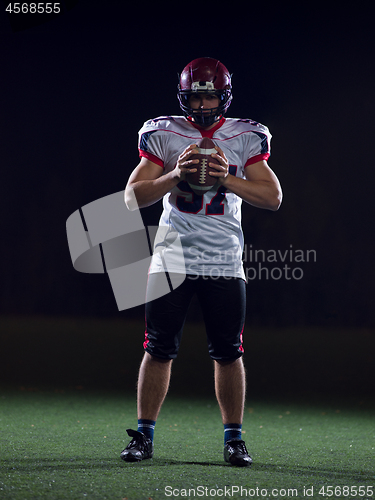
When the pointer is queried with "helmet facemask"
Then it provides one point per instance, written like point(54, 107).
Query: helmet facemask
point(204, 117)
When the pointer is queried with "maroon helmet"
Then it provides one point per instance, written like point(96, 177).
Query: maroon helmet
point(205, 76)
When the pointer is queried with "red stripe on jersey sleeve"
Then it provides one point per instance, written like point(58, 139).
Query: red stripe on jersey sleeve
point(255, 159)
point(151, 157)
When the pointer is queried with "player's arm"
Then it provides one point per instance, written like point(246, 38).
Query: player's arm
point(261, 187)
point(147, 185)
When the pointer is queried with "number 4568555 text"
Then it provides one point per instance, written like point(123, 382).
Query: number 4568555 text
point(34, 8)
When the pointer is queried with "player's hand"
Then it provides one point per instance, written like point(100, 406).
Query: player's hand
point(184, 165)
point(222, 170)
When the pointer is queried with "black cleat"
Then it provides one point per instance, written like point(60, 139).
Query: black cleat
point(139, 448)
point(235, 453)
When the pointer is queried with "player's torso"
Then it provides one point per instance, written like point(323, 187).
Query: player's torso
point(179, 133)
point(209, 226)
point(174, 135)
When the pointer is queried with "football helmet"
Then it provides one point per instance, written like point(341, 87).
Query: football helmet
point(205, 76)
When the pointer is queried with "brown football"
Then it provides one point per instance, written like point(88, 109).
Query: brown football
point(200, 181)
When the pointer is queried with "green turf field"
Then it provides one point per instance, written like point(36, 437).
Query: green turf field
point(67, 395)
point(66, 445)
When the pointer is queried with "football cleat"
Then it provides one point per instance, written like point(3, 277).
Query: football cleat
point(235, 453)
point(139, 448)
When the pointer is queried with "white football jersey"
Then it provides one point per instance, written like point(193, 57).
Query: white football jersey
point(209, 226)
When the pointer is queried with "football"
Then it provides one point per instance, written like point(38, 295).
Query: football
point(200, 181)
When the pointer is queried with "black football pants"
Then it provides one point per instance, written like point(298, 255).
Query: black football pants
point(223, 304)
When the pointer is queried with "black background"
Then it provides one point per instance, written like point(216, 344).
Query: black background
point(76, 89)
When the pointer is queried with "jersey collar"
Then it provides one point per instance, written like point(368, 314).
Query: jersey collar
point(208, 133)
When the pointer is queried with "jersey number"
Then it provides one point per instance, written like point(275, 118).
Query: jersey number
point(216, 205)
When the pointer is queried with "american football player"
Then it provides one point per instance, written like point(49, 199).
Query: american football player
point(209, 227)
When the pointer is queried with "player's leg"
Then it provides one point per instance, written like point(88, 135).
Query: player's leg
point(153, 383)
point(224, 304)
point(165, 318)
point(230, 388)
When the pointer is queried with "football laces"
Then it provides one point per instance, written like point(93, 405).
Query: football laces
point(202, 175)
